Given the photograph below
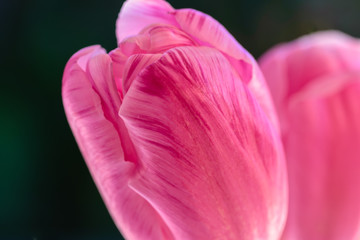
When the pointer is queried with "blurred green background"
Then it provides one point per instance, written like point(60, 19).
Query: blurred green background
point(45, 188)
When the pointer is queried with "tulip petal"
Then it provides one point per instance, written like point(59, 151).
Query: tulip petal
point(137, 14)
point(324, 172)
point(165, 37)
point(91, 104)
point(211, 33)
point(209, 158)
point(208, 30)
point(331, 52)
point(156, 38)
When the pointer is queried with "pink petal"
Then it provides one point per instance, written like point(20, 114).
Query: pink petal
point(308, 58)
point(91, 104)
point(137, 14)
point(315, 84)
point(325, 171)
point(211, 163)
point(165, 37)
point(156, 38)
point(208, 30)
point(211, 33)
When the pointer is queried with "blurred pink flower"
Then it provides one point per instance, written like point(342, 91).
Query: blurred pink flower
point(315, 83)
point(177, 128)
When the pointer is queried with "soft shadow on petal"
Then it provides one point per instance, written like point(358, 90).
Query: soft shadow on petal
point(210, 158)
point(91, 104)
point(135, 65)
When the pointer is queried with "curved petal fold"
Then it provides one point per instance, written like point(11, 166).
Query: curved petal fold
point(91, 105)
point(209, 157)
point(135, 65)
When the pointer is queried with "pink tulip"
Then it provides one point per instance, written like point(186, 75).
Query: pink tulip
point(315, 82)
point(177, 128)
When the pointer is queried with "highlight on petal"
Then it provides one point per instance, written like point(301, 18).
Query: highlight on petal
point(91, 104)
point(137, 14)
point(156, 38)
point(208, 156)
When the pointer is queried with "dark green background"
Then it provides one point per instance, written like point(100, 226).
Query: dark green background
point(46, 191)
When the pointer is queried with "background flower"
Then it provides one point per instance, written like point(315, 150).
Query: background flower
point(315, 81)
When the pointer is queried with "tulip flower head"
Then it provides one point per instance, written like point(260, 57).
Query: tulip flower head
point(178, 129)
